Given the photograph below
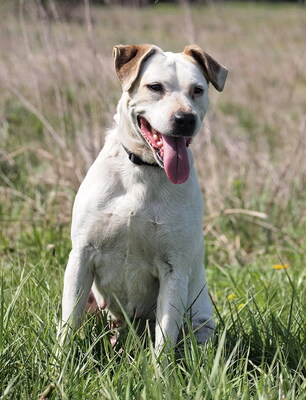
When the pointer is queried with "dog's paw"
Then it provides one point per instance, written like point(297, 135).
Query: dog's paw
point(203, 330)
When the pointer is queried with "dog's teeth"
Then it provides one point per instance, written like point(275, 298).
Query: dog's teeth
point(155, 137)
point(159, 144)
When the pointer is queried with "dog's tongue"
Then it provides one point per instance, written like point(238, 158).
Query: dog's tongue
point(176, 161)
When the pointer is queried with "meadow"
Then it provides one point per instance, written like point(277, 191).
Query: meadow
point(58, 96)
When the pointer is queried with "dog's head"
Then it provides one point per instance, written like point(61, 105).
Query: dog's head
point(167, 99)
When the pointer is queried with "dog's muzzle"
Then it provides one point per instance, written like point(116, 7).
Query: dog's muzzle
point(170, 150)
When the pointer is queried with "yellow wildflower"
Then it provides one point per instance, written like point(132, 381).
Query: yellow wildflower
point(240, 306)
point(280, 266)
point(231, 296)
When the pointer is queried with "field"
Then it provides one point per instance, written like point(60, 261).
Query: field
point(58, 95)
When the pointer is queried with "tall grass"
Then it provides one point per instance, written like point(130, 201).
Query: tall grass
point(258, 351)
point(58, 96)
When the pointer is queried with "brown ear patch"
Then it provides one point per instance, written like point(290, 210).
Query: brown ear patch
point(128, 60)
point(214, 72)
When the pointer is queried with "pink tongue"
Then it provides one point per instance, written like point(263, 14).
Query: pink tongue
point(176, 161)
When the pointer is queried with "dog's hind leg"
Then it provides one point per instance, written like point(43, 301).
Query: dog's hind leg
point(77, 283)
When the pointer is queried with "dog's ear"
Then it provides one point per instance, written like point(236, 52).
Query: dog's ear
point(213, 71)
point(128, 61)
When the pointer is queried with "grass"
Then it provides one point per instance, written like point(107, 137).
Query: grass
point(258, 352)
point(58, 95)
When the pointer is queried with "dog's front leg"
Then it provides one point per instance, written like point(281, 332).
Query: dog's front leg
point(77, 283)
point(171, 306)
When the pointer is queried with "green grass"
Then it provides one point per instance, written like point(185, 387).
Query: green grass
point(58, 95)
point(258, 351)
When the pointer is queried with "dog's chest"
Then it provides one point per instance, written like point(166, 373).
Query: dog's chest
point(130, 227)
point(145, 222)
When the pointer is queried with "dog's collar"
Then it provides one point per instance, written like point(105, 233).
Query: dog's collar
point(136, 159)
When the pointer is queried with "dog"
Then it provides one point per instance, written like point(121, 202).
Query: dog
point(137, 237)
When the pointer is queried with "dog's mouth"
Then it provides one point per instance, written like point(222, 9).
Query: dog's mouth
point(170, 151)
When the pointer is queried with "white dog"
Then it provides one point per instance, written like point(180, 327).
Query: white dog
point(137, 220)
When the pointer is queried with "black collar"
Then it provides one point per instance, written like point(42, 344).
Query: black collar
point(136, 159)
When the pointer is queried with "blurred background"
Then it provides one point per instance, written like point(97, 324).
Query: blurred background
point(59, 93)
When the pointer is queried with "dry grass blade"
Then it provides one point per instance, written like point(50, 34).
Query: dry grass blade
point(45, 395)
point(251, 213)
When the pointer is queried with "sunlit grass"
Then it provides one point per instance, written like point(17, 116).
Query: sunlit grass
point(259, 346)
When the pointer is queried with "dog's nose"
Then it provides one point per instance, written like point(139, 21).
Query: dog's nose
point(185, 120)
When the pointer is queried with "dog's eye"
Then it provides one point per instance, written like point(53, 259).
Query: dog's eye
point(156, 87)
point(198, 91)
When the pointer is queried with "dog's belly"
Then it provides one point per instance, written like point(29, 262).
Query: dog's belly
point(130, 288)
point(128, 255)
